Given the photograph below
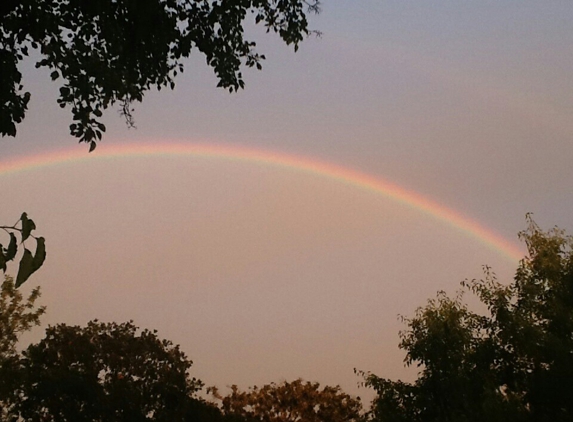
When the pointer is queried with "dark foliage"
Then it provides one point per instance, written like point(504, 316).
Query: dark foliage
point(107, 372)
point(513, 364)
point(17, 315)
point(29, 263)
point(112, 51)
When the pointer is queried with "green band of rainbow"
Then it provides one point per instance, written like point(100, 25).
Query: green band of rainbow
point(293, 162)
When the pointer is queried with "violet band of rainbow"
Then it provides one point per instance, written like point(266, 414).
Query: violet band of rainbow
point(317, 167)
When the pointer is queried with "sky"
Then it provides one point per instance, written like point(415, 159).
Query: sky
point(265, 272)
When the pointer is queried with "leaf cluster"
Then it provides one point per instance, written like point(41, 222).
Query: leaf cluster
point(109, 51)
point(29, 262)
point(17, 315)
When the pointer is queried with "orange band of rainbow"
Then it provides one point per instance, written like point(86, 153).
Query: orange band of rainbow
point(293, 162)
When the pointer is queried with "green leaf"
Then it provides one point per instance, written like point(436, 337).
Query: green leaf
point(27, 226)
point(26, 268)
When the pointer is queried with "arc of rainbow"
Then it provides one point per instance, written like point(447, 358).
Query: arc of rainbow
point(309, 165)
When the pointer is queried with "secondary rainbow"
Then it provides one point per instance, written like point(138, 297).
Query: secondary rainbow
point(293, 162)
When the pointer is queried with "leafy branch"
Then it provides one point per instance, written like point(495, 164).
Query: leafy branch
point(29, 263)
point(110, 52)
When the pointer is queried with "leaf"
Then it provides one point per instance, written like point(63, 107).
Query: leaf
point(26, 269)
point(2, 261)
point(12, 248)
point(27, 226)
point(40, 255)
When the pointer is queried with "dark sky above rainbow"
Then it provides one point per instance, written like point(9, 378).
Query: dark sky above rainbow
point(276, 233)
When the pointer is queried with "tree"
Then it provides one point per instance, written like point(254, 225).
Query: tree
point(111, 51)
point(29, 263)
point(294, 401)
point(17, 315)
point(515, 363)
point(105, 372)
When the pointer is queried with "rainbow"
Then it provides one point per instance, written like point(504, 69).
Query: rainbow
point(308, 165)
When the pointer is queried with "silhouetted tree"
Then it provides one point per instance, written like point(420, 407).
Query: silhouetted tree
point(113, 51)
point(107, 372)
point(515, 363)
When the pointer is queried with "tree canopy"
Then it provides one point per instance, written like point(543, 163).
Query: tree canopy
point(110, 52)
point(294, 401)
point(104, 372)
point(513, 363)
